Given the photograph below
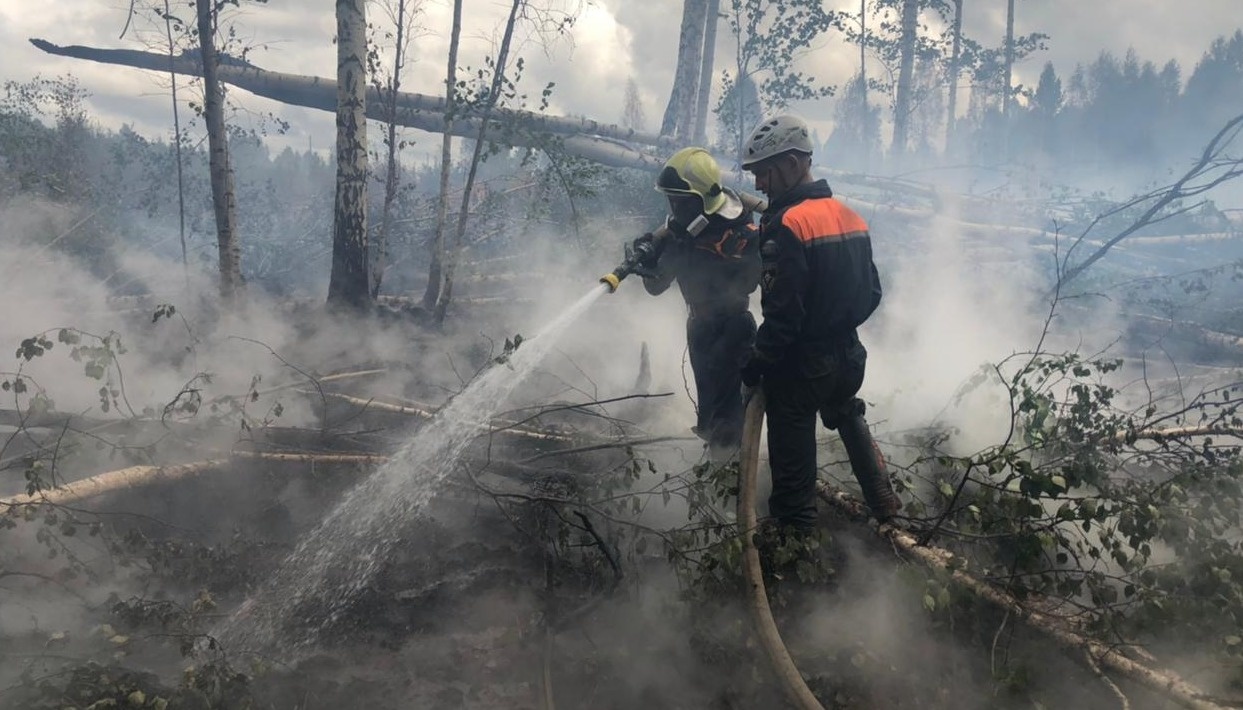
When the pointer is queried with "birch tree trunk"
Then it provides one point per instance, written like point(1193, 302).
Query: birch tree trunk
point(224, 201)
point(348, 284)
point(679, 119)
point(181, 183)
point(712, 18)
point(434, 270)
point(906, 66)
point(865, 127)
point(494, 95)
point(1009, 78)
point(390, 173)
point(955, 57)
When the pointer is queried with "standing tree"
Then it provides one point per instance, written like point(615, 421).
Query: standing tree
point(705, 75)
point(223, 198)
point(435, 269)
point(181, 182)
point(633, 116)
point(902, 101)
point(769, 37)
point(489, 100)
point(856, 126)
point(348, 284)
point(953, 72)
point(1008, 83)
point(927, 116)
point(864, 112)
point(853, 132)
point(401, 12)
point(1046, 102)
point(679, 119)
point(738, 107)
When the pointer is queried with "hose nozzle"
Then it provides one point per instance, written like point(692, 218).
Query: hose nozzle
point(613, 280)
point(635, 256)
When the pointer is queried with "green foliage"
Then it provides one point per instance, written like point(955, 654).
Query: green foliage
point(1125, 516)
point(771, 36)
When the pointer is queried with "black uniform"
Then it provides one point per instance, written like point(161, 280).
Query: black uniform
point(716, 272)
point(818, 285)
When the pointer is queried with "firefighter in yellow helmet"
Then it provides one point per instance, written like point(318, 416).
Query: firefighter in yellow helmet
point(713, 255)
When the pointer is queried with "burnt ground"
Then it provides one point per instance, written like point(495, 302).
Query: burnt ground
point(473, 611)
point(483, 607)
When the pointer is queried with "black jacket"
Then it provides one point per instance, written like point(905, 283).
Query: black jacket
point(716, 270)
point(818, 281)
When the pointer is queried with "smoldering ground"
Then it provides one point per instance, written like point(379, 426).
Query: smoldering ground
point(468, 596)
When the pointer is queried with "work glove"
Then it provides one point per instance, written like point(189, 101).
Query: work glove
point(647, 251)
point(753, 372)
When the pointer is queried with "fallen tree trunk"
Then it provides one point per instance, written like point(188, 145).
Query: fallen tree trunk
point(1182, 432)
point(142, 476)
point(1219, 430)
point(587, 139)
point(600, 446)
point(592, 140)
point(314, 457)
point(52, 420)
point(111, 482)
point(1195, 332)
point(424, 412)
point(1165, 682)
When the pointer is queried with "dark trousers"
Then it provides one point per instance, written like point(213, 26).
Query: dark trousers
point(793, 403)
point(719, 347)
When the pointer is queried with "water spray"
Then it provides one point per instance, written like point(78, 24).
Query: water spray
point(644, 250)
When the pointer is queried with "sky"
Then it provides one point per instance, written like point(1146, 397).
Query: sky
point(611, 42)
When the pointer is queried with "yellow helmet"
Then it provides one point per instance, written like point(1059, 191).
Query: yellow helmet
point(693, 171)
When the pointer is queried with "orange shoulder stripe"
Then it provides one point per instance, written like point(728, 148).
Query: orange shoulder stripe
point(824, 219)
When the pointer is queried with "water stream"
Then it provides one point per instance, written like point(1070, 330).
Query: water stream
point(341, 557)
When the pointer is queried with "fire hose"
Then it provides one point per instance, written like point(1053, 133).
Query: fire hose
point(642, 251)
point(761, 613)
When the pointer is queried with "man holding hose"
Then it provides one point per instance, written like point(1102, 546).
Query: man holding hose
point(712, 253)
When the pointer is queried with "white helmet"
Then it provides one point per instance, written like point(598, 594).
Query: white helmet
point(775, 136)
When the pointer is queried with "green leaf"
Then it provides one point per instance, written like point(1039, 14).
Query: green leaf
point(930, 603)
point(1059, 481)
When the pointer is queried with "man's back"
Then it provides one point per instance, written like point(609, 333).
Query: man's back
point(819, 282)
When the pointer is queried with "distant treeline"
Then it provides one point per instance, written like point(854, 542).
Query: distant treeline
point(123, 188)
point(1114, 114)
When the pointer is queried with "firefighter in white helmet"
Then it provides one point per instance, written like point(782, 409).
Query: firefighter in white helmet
point(818, 285)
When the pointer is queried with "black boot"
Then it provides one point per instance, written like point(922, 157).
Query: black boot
point(867, 463)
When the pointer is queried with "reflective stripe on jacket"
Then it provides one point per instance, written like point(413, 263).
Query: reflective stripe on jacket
point(818, 282)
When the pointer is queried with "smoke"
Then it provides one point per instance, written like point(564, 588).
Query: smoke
point(954, 306)
point(958, 305)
